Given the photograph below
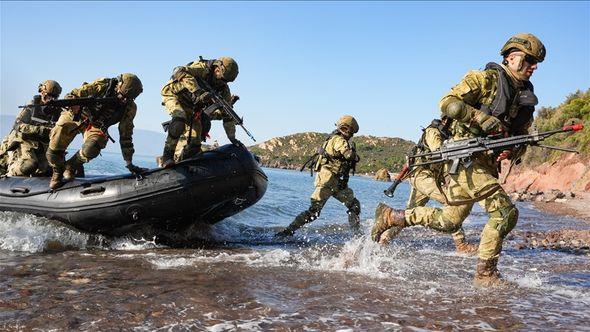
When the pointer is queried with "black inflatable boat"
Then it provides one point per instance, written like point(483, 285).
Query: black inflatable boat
point(205, 189)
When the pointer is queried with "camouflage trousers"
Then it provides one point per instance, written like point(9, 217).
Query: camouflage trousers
point(327, 184)
point(27, 160)
point(424, 187)
point(177, 109)
point(472, 183)
point(64, 132)
point(228, 125)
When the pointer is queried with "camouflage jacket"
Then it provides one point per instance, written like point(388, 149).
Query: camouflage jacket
point(337, 155)
point(479, 89)
point(104, 116)
point(184, 83)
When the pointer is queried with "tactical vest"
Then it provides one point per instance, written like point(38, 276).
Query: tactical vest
point(337, 164)
point(514, 107)
point(104, 116)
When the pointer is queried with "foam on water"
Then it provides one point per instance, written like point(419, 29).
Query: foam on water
point(28, 233)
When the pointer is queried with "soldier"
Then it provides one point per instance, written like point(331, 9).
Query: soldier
point(185, 97)
point(424, 183)
point(94, 121)
point(336, 159)
point(23, 150)
point(499, 99)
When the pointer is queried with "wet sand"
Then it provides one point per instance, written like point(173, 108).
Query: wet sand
point(578, 207)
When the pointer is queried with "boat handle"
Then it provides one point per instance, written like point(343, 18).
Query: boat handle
point(92, 190)
point(20, 190)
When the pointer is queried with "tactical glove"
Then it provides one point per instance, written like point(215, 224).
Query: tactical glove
point(136, 170)
point(202, 97)
point(488, 123)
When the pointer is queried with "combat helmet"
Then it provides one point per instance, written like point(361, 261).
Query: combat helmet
point(526, 42)
point(347, 125)
point(131, 86)
point(229, 68)
point(50, 87)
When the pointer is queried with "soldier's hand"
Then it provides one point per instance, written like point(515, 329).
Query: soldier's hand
point(202, 98)
point(488, 123)
point(136, 170)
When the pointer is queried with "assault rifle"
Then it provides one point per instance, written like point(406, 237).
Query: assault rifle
point(224, 105)
point(82, 102)
point(460, 151)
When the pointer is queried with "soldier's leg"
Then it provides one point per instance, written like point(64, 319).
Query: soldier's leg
point(417, 198)
point(424, 182)
point(26, 163)
point(346, 196)
point(176, 128)
point(192, 148)
point(503, 216)
point(59, 139)
point(94, 141)
point(325, 185)
point(180, 147)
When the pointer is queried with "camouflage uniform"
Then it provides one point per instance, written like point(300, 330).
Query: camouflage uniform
point(332, 167)
point(31, 139)
point(184, 98)
point(22, 152)
point(487, 101)
point(424, 186)
point(94, 133)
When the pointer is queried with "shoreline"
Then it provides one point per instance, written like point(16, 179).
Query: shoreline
point(578, 207)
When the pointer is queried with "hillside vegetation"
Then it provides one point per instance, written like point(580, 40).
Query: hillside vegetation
point(575, 106)
point(293, 150)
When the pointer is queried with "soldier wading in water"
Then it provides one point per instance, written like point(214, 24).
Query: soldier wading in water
point(336, 158)
point(499, 99)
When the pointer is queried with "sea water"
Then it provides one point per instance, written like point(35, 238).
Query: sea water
point(53, 277)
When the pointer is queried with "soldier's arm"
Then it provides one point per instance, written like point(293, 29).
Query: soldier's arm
point(126, 133)
point(87, 90)
point(24, 126)
point(461, 102)
point(229, 125)
point(342, 149)
point(432, 139)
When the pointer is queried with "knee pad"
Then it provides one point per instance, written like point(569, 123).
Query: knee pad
point(56, 158)
point(90, 150)
point(28, 167)
point(176, 127)
point(354, 207)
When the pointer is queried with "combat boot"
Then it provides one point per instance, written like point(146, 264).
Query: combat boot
point(56, 179)
point(301, 219)
point(386, 218)
point(464, 247)
point(487, 275)
point(190, 151)
point(354, 219)
point(72, 166)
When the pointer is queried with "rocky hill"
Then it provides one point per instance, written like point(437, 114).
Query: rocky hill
point(543, 170)
point(292, 151)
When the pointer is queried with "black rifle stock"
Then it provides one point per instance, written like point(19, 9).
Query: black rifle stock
point(225, 106)
point(460, 151)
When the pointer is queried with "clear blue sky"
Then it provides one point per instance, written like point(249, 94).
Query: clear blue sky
point(302, 64)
